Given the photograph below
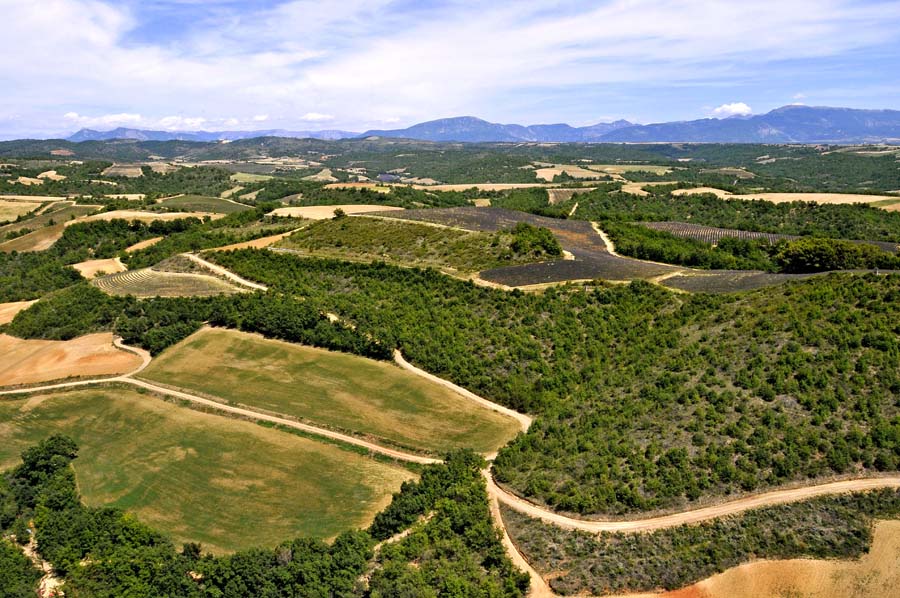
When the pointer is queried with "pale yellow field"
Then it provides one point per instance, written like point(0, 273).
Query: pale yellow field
point(637, 188)
point(126, 170)
point(577, 172)
point(228, 193)
point(479, 186)
point(484, 203)
point(378, 188)
point(8, 311)
point(822, 198)
point(32, 198)
point(875, 575)
point(143, 244)
point(93, 268)
point(36, 361)
point(246, 177)
point(51, 175)
point(255, 243)
point(10, 210)
point(128, 196)
point(325, 212)
point(325, 176)
point(144, 216)
point(560, 195)
point(623, 168)
point(28, 181)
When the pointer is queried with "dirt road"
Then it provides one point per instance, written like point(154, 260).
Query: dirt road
point(226, 273)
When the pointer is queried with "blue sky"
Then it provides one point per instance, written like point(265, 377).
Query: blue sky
point(359, 64)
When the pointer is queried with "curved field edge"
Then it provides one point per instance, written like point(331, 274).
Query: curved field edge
point(336, 390)
point(198, 477)
point(579, 562)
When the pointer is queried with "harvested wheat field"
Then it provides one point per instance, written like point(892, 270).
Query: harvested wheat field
point(325, 212)
point(126, 170)
point(324, 176)
point(336, 390)
point(147, 282)
point(128, 196)
point(201, 477)
point(8, 311)
point(260, 243)
point(378, 188)
point(822, 198)
point(482, 203)
point(34, 198)
point(560, 195)
point(37, 361)
point(145, 216)
point(143, 244)
point(93, 268)
point(875, 575)
point(10, 210)
point(228, 193)
point(51, 175)
point(28, 181)
point(576, 172)
point(38, 240)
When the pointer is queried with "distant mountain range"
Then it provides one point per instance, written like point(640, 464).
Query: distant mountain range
point(789, 124)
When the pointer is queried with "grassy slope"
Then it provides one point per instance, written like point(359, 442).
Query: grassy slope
point(200, 203)
point(405, 243)
point(334, 389)
point(226, 483)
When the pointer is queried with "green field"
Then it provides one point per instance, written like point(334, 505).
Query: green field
point(407, 244)
point(246, 177)
point(226, 483)
point(337, 390)
point(202, 203)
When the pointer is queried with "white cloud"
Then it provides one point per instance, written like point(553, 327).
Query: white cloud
point(261, 118)
point(316, 117)
point(181, 123)
point(733, 109)
point(353, 64)
point(105, 120)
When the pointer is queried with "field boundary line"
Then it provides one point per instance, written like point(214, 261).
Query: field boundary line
point(225, 272)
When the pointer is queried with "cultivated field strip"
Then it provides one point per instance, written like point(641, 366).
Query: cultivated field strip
point(147, 282)
point(712, 234)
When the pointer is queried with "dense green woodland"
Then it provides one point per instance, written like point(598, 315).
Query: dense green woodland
point(837, 526)
point(646, 399)
point(453, 549)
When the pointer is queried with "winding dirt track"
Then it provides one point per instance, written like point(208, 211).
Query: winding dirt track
point(226, 273)
point(539, 586)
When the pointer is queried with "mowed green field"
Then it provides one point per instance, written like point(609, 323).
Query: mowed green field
point(202, 203)
point(337, 390)
point(227, 483)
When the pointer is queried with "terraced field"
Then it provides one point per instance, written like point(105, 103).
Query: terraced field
point(337, 390)
point(198, 477)
point(148, 282)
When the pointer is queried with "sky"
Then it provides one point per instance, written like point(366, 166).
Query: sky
point(364, 64)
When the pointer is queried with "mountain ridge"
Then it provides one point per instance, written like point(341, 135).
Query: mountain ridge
point(787, 124)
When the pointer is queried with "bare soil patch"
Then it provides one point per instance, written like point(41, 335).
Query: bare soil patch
point(93, 268)
point(28, 181)
point(875, 575)
point(37, 361)
point(126, 170)
point(324, 176)
point(51, 175)
point(260, 243)
point(378, 188)
point(145, 216)
point(325, 212)
point(143, 244)
point(822, 198)
point(8, 311)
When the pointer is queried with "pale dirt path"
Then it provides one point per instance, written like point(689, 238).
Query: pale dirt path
point(50, 584)
point(765, 499)
point(226, 273)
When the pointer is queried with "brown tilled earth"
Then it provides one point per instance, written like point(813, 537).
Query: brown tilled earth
point(37, 361)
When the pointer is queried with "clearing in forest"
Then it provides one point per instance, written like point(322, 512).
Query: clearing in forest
point(126, 170)
point(407, 243)
point(323, 176)
point(576, 172)
point(201, 203)
point(38, 361)
point(143, 244)
point(94, 268)
point(148, 282)
point(337, 390)
point(227, 483)
point(247, 177)
point(142, 216)
point(323, 212)
point(821, 198)
point(10, 210)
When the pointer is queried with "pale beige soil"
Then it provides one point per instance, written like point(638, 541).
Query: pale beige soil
point(378, 188)
point(479, 186)
point(250, 196)
point(32, 198)
point(92, 268)
point(326, 212)
point(144, 216)
point(51, 175)
point(875, 575)
point(260, 243)
point(28, 181)
point(482, 203)
point(144, 244)
point(323, 176)
point(637, 188)
point(8, 311)
point(126, 170)
point(560, 195)
point(822, 198)
point(577, 172)
point(10, 210)
point(128, 196)
point(37, 361)
point(230, 192)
